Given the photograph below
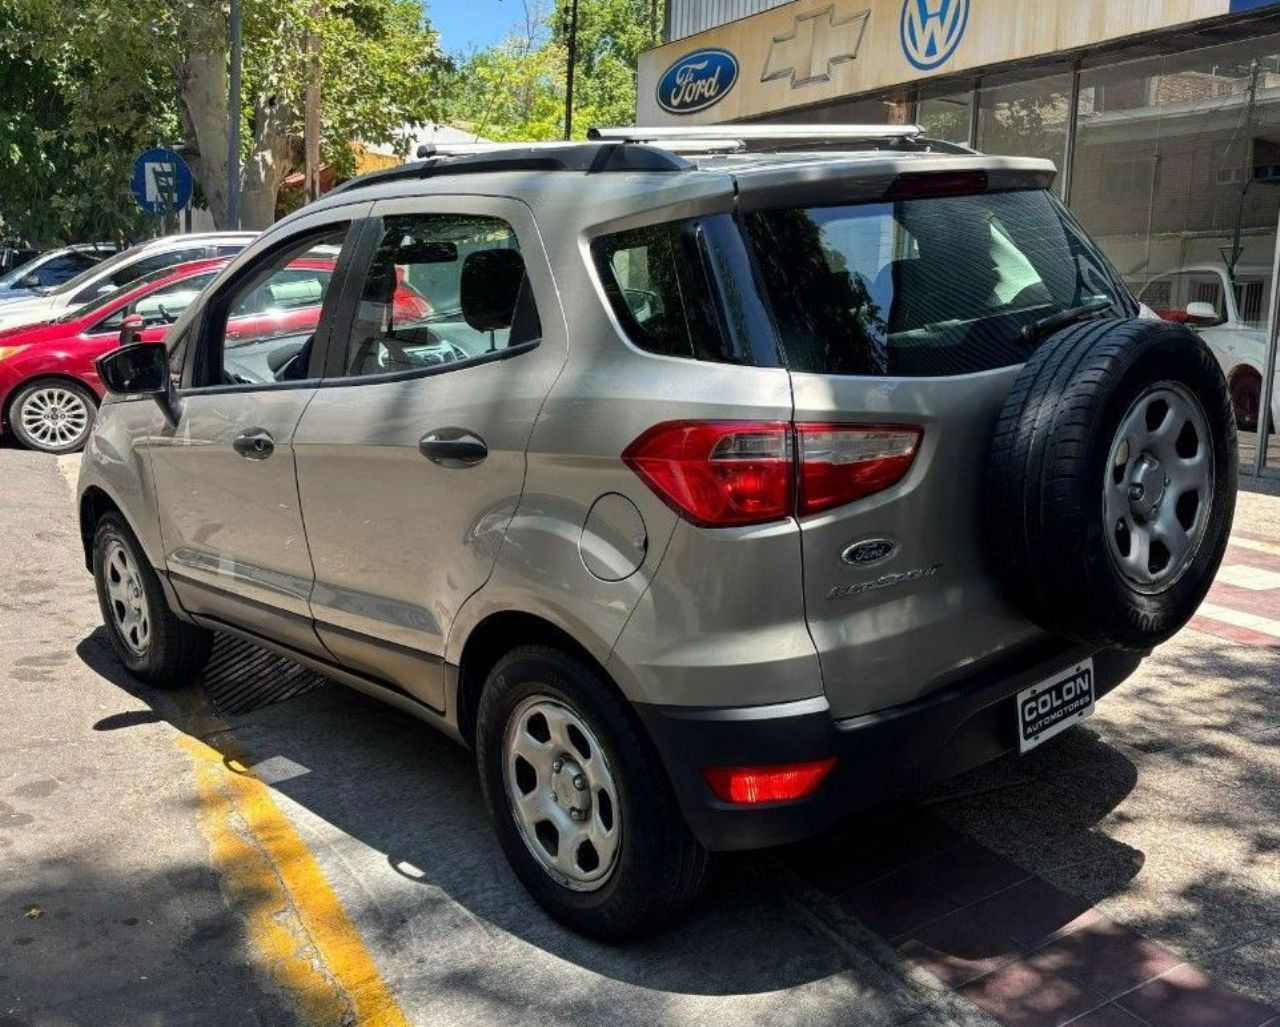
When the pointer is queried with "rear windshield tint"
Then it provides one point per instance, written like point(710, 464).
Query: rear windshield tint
point(928, 286)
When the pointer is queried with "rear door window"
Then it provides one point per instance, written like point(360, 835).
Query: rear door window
point(929, 286)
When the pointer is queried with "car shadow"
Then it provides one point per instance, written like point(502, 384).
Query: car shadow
point(410, 794)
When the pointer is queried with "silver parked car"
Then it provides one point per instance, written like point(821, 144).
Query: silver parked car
point(117, 271)
point(710, 491)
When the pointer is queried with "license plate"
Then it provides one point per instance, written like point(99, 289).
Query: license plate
point(1054, 705)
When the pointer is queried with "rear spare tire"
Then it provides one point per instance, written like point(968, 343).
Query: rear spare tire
point(1112, 481)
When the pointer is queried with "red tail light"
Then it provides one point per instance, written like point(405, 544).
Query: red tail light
point(840, 463)
point(719, 474)
point(747, 786)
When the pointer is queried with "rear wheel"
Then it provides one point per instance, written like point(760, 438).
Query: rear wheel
point(1112, 482)
point(152, 643)
point(581, 804)
point(52, 416)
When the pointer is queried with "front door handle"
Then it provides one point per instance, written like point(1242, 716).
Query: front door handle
point(453, 447)
point(254, 444)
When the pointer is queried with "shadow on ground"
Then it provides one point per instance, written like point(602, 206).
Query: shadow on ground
point(406, 792)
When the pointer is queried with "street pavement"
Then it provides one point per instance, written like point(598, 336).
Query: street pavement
point(262, 847)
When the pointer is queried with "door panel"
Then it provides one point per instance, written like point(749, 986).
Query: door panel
point(231, 525)
point(401, 534)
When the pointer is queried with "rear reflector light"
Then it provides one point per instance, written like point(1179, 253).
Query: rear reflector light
point(747, 786)
point(841, 463)
point(720, 474)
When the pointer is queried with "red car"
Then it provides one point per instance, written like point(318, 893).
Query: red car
point(49, 389)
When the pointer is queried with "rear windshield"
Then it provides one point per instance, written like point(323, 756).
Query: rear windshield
point(928, 286)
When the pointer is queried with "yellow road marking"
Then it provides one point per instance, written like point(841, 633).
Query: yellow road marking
point(308, 943)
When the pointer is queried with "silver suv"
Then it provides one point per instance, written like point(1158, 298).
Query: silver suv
point(710, 489)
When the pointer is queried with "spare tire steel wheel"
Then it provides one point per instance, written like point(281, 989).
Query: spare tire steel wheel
point(1112, 481)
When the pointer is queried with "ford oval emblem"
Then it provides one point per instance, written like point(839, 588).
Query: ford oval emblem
point(869, 552)
point(697, 81)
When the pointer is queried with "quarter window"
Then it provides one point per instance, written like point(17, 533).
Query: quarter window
point(659, 282)
point(441, 289)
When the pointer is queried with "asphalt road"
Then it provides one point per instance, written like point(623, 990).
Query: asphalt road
point(195, 857)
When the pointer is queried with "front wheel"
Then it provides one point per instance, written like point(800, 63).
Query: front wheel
point(152, 643)
point(581, 804)
point(53, 416)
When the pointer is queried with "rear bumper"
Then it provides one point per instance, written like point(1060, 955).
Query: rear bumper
point(883, 756)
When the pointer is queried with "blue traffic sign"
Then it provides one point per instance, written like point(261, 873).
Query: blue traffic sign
point(161, 182)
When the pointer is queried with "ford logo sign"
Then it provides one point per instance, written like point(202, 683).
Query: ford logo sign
point(869, 552)
point(697, 81)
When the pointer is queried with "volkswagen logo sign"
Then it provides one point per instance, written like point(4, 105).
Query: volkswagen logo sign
point(869, 552)
point(697, 81)
point(931, 30)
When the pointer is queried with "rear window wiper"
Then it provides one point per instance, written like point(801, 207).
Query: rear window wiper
point(1038, 329)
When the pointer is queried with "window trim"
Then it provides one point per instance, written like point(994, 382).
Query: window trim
point(198, 356)
point(344, 317)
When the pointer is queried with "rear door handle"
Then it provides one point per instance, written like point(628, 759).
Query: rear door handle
point(453, 447)
point(254, 444)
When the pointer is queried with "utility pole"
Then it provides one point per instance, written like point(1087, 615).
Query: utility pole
point(1246, 173)
point(233, 124)
point(573, 60)
point(311, 108)
point(653, 23)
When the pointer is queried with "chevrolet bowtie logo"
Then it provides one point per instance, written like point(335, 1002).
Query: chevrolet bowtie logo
point(817, 41)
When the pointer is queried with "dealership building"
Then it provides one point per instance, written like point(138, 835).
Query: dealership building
point(1162, 116)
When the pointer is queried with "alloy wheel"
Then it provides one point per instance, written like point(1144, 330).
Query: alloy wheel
point(128, 600)
point(55, 417)
point(1159, 487)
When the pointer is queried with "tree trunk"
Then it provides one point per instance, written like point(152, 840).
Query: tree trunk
point(311, 111)
point(202, 104)
point(266, 165)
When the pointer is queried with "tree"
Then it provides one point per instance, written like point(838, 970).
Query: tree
point(158, 68)
point(515, 90)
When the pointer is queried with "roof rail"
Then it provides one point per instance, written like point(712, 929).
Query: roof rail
point(755, 133)
point(586, 157)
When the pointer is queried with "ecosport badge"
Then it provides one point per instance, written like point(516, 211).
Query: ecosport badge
point(697, 81)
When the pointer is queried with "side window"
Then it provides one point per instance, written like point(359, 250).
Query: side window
point(660, 286)
point(259, 329)
point(441, 289)
point(161, 307)
point(60, 269)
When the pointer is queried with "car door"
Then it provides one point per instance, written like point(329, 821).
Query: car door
point(411, 457)
point(224, 474)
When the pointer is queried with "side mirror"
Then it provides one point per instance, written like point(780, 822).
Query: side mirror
point(1203, 314)
point(140, 369)
point(131, 329)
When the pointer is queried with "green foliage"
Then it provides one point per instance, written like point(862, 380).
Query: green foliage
point(516, 90)
point(87, 85)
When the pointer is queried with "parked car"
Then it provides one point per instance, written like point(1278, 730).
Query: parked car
point(718, 496)
point(118, 271)
point(51, 269)
point(1202, 296)
point(49, 387)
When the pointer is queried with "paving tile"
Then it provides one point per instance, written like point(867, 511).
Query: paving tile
point(1022, 995)
point(970, 871)
point(1185, 997)
point(1106, 957)
point(1252, 969)
point(844, 860)
point(1109, 1015)
point(1032, 913)
point(895, 905)
point(958, 949)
